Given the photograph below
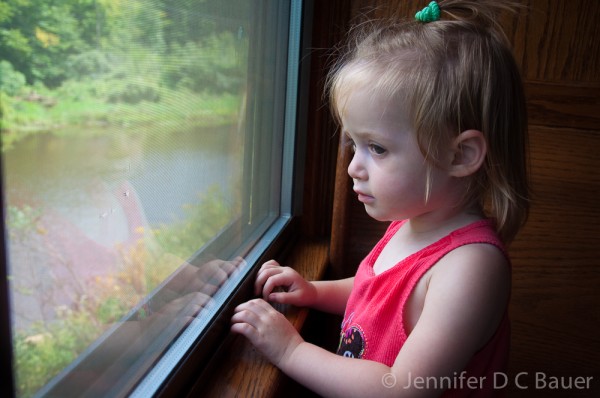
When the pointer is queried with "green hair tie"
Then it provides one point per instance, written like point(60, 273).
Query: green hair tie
point(429, 14)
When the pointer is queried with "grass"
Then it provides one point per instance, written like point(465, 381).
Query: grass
point(76, 106)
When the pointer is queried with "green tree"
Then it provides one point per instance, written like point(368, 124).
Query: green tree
point(11, 81)
point(38, 36)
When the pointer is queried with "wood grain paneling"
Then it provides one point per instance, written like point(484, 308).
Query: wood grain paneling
point(555, 263)
point(559, 105)
point(330, 19)
point(560, 39)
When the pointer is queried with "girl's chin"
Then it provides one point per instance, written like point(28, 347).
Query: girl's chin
point(377, 215)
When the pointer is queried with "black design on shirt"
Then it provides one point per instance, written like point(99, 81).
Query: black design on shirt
point(352, 343)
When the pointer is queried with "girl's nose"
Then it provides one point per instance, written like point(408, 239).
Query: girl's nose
point(356, 169)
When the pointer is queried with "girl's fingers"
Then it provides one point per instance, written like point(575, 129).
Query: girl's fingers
point(244, 322)
point(244, 329)
point(275, 281)
point(264, 274)
point(270, 264)
point(257, 306)
point(285, 297)
point(266, 328)
point(247, 317)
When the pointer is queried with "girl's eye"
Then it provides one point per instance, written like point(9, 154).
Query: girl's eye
point(376, 149)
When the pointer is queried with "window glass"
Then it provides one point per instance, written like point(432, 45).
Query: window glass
point(142, 149)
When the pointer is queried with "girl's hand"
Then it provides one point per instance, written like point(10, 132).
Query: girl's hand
point(267, 329)
point(295, 289)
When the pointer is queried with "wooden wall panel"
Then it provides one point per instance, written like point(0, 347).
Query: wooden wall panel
point(560, 41)
point(556, 258)
point(555, 263)
point(330, 18)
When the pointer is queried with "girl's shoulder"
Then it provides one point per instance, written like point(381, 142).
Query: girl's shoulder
point(465, 299)
point(476, 271)
point(475, 250)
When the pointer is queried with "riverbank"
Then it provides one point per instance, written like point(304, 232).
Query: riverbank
point(65, 112)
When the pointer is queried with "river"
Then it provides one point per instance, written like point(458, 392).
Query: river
point(75, 202)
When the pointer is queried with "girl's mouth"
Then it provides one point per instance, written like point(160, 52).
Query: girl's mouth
point(364, 198)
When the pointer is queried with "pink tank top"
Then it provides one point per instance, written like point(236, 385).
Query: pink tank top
point(373, 326)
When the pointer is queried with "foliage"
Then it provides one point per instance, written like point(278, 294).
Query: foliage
point(20, 219)
point(201, 223)
point(109, 64)
point(46, 40)
point(37, 36)
point(11, 81)
point(209, 66)
point(46, 348)
point(134, 93)
point(89, 64)
point(84, 62)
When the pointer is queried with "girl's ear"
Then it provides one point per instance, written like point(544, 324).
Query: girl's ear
point(469, 150)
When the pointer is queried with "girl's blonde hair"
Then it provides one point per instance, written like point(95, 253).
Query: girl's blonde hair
point(454, 75)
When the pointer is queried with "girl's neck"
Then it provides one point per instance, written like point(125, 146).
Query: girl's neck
point(435, 225)
point(420, 232)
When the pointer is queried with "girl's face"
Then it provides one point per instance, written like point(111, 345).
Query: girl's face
point(388, 170)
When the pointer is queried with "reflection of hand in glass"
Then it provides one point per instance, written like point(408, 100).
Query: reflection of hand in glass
point(190, 289)
point(171, 309)
point(182, 298)
point(206, 278)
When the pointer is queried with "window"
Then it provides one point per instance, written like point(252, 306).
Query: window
point(148, 162)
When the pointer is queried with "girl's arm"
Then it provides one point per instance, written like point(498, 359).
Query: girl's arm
point(332, 296)
point(284, 285)
point(324, 372)
point(466, 299)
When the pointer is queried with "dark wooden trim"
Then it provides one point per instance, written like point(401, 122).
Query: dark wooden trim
point(329, 21)
point(341, 213)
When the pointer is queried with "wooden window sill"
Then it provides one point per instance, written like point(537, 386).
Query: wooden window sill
point(238, 369)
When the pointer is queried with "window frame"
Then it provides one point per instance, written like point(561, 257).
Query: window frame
point(7, 387)
point(285, 229)
point(200, 360)
point(273, 241)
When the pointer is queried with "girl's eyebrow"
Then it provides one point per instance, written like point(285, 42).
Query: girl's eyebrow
point(360, 133)
point(364, 135)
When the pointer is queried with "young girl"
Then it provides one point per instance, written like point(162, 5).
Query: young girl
point(434, 112)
